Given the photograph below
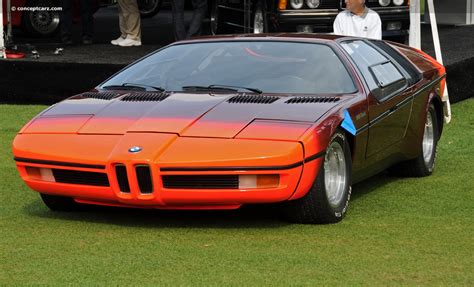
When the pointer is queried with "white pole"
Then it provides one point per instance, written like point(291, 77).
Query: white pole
point(2, 43)
point(9, 22)
point(415, 25)
point(439, 58)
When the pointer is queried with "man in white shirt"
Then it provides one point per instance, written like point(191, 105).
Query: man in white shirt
point(358, 20)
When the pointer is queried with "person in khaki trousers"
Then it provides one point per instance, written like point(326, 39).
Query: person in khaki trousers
point(129, 21)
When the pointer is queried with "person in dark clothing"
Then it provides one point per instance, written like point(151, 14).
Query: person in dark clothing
point(87, 21)
point(180, 32)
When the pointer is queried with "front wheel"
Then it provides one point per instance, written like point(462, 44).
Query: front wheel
point(328, 198)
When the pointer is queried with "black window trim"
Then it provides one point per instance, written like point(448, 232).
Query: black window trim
point(400, 66)
point(383, 98)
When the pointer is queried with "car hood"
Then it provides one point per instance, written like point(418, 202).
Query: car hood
point(185, 114)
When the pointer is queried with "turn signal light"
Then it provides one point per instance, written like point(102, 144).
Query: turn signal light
point(259, 181)
point(39, 173)
point(282, 4)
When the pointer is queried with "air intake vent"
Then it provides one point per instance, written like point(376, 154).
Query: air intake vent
point(99, 96)
point(247, 99)
point(201, 181)
point(122, 178)
point(80, 177)
point(312, 100)
point(145, 97)
point(144, 178)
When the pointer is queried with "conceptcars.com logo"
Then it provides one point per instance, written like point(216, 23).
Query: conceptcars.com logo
point(135, 149)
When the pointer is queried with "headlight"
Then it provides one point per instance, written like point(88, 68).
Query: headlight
point(398, 2)
point(384, 2)
point(296, 4)
point(313, 3)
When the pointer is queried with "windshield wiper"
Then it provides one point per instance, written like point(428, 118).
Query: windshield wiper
point(133, 86)
point(221, 87)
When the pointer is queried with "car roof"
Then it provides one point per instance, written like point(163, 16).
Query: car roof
point(307, 37)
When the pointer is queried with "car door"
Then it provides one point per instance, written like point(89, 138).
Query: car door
point(389, 97)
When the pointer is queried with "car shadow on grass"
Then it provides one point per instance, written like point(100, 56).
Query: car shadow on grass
point(252, 216)
point(371, 185)
point(248, 216)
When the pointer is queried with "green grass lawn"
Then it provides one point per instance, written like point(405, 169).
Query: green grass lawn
point(416, 231)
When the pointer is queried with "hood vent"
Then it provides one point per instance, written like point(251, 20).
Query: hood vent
point(312, 100)
point(144, 97)
point(246, 99)
point(99, 96)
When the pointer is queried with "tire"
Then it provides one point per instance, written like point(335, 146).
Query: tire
point(61, 203)
point(259, 22)
point(325, 202)
point(149, 8)
point(424, 164)
point(41, 23)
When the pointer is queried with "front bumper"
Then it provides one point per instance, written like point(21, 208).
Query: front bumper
point(165, 155)
point(321, 20)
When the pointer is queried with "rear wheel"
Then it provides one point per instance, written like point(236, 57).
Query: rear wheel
point(41, 23)
point(328, 198)
point(60, 203)
point(424, 164)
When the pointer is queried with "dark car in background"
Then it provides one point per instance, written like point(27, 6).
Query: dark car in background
point(262, 16)
point(45, 22)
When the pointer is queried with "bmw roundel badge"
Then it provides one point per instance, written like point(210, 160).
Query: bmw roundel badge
point(135, 149)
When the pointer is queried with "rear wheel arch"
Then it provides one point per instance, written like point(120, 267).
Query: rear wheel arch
point(438, 104)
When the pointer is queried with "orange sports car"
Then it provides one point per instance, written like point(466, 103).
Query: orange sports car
point(215, 123)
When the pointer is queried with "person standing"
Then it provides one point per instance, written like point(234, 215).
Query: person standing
point(87, 21)
point(358, 20)
point(199, 11)
point(130, 26)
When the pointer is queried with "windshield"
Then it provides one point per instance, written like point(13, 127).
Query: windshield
point(268, 66)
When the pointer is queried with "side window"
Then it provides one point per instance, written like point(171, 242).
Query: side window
point(381, 75)
point(386, 74)
point(414, 75)
point(388, 78)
